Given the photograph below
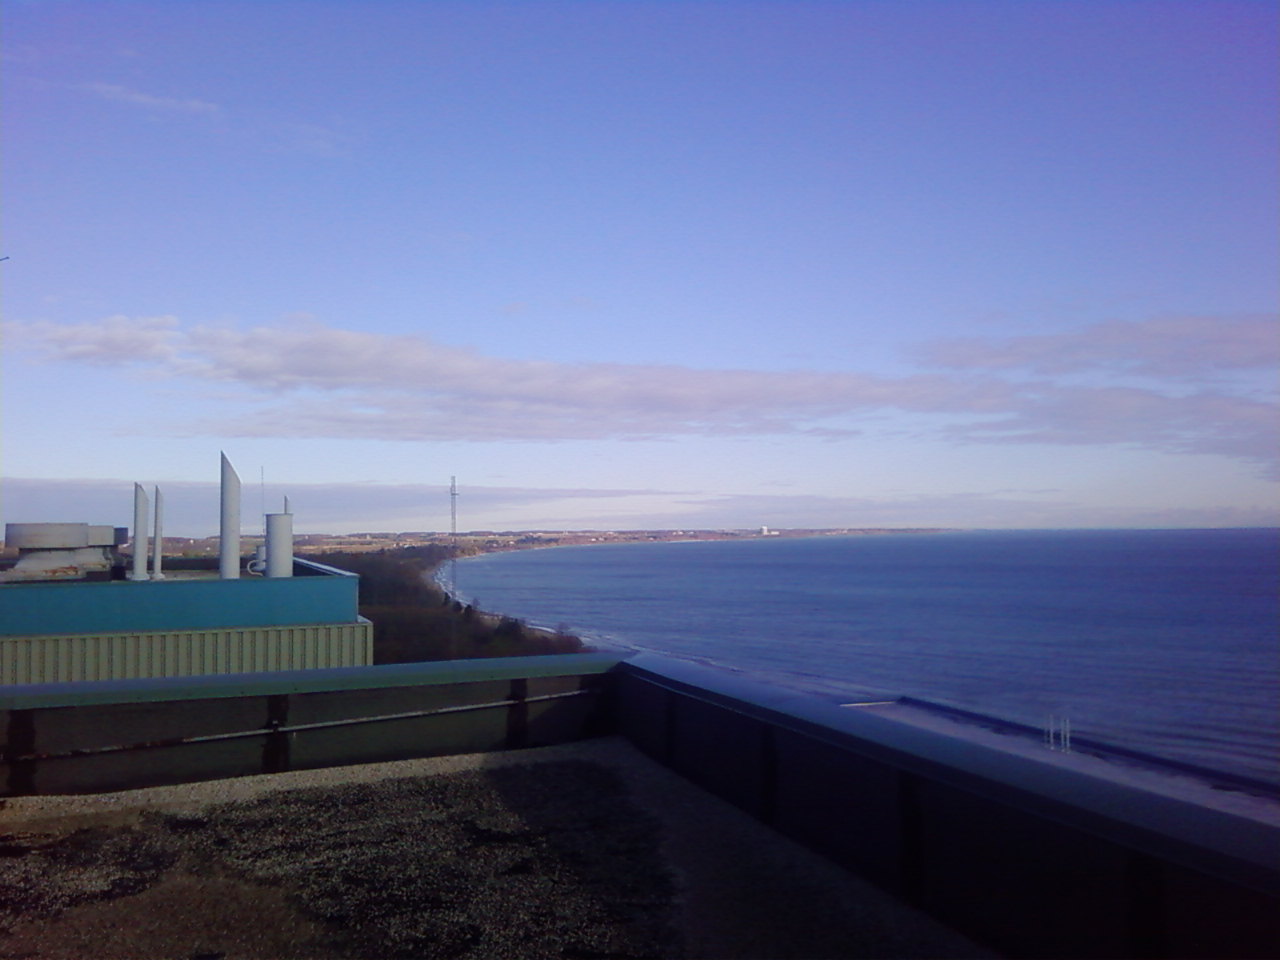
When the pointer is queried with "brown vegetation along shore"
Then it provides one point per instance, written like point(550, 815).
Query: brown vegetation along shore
point(414, 619)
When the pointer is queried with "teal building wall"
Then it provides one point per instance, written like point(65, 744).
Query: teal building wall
point(324, 595)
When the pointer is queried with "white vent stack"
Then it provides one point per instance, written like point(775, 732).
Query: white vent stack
point(141, 507)
point(157, 543)
point(229, 529)
point(280, 543)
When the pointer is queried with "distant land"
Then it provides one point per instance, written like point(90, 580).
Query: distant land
point(492, 541)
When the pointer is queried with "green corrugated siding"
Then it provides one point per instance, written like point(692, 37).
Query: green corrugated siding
point(184, 653)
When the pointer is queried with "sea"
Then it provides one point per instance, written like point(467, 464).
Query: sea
point(1160, 642)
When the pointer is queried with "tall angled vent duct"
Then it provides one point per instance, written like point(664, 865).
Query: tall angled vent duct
point(140, 509)
point(229, 529)
point(157, 539)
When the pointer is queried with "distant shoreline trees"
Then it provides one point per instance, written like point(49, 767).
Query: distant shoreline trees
point(414, 619)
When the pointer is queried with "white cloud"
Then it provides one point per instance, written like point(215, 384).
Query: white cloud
point(268, 133)
point(305, 379)
point(114, 341)
point(119, 94)
point(1200, 423)
point(1159, 347)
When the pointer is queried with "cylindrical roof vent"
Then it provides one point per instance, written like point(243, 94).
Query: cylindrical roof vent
point(279, 544)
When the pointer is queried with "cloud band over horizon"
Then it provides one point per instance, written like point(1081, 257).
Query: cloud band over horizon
point(343, 508)
point(1172, 384)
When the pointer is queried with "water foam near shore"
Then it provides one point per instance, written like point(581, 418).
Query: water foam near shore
point(1158, 642)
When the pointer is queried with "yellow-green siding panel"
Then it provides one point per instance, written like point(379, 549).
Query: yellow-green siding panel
point(184, 653)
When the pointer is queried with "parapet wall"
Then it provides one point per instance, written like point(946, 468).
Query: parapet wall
point(1030, 858)
point(115, 735)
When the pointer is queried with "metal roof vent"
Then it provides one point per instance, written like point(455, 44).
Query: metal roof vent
point(62, 551)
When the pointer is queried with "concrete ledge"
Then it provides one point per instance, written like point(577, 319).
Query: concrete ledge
point(1033, 858)
point(161, 689)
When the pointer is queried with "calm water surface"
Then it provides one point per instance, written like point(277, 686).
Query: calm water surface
point(1159, 641)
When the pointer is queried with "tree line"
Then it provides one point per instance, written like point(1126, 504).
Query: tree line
point(415, 619)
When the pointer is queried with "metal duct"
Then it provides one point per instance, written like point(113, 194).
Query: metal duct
point(140, 511)
point(229, 528)
point(157, 542)
point(279, 545)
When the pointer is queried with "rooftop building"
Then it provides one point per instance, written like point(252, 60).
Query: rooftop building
point(72, 610)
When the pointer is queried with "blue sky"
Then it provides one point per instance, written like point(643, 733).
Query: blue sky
point(643, 264)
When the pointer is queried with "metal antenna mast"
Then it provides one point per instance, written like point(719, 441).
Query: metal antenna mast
point(453, 506)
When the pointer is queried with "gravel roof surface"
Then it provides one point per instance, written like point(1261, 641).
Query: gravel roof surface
point(585, 850)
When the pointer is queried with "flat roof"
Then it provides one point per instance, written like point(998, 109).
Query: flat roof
point(574, 827)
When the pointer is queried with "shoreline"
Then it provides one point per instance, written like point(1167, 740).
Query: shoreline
point(1220, 790)
point(1237, 794)
point(1225, 772)
point(432, 575)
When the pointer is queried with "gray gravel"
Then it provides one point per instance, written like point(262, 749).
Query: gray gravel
point(528, 861)
point(586, 850)
point(538, 861)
